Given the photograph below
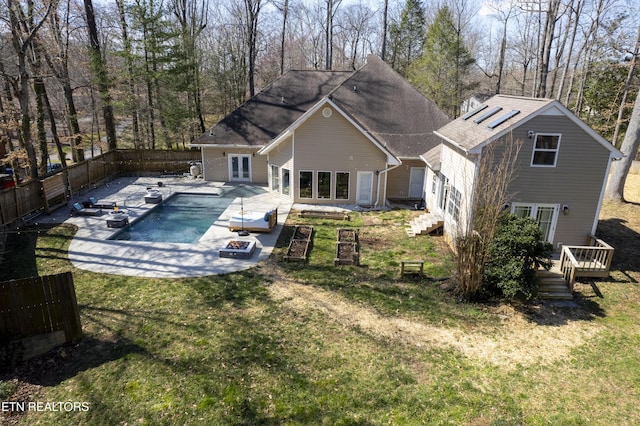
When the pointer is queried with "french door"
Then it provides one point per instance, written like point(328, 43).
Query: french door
point(546, 215)
point(240, 167)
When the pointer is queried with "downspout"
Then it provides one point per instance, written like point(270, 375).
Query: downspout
point(379, 172)
point(204, 176)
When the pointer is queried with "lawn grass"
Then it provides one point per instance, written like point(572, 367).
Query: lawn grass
point(230, 349)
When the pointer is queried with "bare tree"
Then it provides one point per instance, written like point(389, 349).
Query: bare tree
point(627, 86)
point(100, 72)
point(57, 57)
point(577, 12)
point(132, 101)
point(192, 18)
point(587, 52)
point(495, 171)
point(354, 23)
point(503, 12)
point(615, 188)
point(24, 27)
point(551, 17)
point(385, 25)
point(284, 8)
point(331, 9)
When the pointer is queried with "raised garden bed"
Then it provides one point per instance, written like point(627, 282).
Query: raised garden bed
point(324, 215)
point(347, 247)
point(300, 243)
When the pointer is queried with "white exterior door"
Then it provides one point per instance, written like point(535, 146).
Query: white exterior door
point(239, 167)
point(416, 182)
point(545, 214)
point(365, 188)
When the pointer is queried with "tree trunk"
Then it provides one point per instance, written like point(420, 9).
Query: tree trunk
point(21, 37)
point(385, 24)
point(60, 68)
point(100, 73)
point(627, 85)
point(133, 99)
point(574, 31)
point(615, 188)
point(545, 48)
point(285, 13)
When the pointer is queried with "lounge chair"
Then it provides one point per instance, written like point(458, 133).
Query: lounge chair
point(254, 221)
point(78, 210)
point(93, 202)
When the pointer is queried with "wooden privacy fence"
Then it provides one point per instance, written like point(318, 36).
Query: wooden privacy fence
point(49, 193)
point(37, 314)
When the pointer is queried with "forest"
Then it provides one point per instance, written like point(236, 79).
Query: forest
point(81, 78)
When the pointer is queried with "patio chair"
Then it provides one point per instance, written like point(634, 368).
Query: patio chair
point(78, 210)
point(93, 202)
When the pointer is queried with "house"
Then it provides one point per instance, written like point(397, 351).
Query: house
point(328, 137)
point(561, 167)
point(473, 102)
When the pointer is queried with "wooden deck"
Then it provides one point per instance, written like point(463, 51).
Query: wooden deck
point(590, 260)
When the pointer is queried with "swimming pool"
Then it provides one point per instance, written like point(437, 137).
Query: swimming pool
point(181, 218)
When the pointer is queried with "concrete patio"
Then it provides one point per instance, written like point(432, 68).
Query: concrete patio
point(91, 249)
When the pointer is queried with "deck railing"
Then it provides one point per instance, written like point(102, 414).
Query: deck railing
point(591, 260)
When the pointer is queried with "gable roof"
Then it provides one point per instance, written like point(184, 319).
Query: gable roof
point(390, 108)
point(391, 159)
point(383, 105)
point(272, 110)
point(501, 114)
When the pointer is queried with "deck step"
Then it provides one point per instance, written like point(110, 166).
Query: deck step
point(555, 295)
point(424, 224)
point(552, 285)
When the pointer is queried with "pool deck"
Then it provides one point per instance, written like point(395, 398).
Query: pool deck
point(91, 249)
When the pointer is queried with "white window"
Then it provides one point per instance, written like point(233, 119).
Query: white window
point(285, 181)
point(305, 185)
point(342, 186)
point(455, 201)
point(443, 192)
point(545, 150)
point(275, 178)
point(324, 185)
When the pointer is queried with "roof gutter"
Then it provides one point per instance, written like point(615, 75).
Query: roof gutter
point(452, 142)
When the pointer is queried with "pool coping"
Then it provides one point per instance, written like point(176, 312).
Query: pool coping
point(91, 250)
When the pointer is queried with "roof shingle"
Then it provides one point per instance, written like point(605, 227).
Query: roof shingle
point(375, 96)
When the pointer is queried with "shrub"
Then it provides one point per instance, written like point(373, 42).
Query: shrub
point(516, 252)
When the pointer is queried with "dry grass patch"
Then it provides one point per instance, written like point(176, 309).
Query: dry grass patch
point(518, 341)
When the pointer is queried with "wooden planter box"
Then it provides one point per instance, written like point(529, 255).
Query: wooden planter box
point(347, 247)
point(300, 244)
point(324, 215)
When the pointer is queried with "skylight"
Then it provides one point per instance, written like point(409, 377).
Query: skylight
point(487, 114)
point(502, 119)
point(474, 112)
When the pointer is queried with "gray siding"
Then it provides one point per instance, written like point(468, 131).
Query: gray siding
point(576, 180)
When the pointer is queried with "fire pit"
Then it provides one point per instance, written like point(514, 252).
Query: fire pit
point(239, 249)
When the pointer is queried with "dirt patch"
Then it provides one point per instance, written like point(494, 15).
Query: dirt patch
point(517, 341)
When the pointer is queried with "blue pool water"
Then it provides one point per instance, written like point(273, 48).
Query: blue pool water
point(182, 218)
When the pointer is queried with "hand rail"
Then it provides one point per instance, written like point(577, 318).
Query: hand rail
point(568, 266)
point(576, 261)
